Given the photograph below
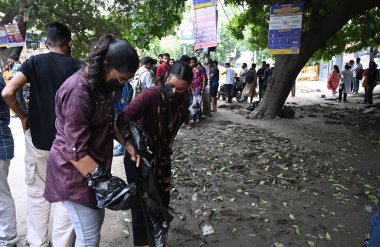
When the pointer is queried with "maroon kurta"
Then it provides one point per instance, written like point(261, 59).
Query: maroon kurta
point(145, 109)
point(84, 126)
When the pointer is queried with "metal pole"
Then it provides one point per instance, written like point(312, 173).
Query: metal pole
point(206, 93)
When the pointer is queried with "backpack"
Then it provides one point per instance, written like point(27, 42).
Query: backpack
point(249, 76)
point(136, 83)
point(360, 73)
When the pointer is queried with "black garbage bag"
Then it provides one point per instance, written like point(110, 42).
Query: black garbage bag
point(157, 216)
point(136, 134)
point(112, 192)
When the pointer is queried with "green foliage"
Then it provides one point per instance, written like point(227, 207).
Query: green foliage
point(154, 18)
point(137, 21)
point(156, 47)
point(359, 33)
point(228, 42)
point(253, 19)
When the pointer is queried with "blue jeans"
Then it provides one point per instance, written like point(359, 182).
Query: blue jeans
point(198, 115)
point(87, 223)
point(356, 85)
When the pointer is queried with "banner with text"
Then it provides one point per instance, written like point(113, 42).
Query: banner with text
point(285, 28)
point(205, 27)
point(3, 37)
point(203, 3)
point(14, 36)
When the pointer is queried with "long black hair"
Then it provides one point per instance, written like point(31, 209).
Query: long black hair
point(336, 69)
point(118, 54)
point(182, 71)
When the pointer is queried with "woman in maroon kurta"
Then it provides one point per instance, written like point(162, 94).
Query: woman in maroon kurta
point(85, 131)
point(160, 111)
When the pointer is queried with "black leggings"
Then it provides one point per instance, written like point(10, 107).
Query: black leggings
point(140, 233)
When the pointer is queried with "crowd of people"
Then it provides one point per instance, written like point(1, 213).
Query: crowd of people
point(69, 127)
point(254, 80)
point(68, 112)
point(348, 80)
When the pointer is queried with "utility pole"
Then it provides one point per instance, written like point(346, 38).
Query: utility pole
point(206, 93)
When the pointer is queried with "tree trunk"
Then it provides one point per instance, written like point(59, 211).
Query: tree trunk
point(279, 86)
point(287, 67)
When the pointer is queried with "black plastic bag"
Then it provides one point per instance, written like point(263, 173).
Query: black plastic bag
point(157, 217)
point(112, 192)
point(135, 133)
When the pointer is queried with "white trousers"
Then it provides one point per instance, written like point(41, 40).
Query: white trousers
point(38, 209)
point(8, 227)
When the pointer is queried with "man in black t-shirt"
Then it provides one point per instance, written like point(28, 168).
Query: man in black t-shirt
point(45, 73)
point(260, 76)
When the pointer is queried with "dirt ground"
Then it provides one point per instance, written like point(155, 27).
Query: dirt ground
point(308, 181)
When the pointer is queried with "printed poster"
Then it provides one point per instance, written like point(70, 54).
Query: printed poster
point(3, 37)
point(205, 27)
point(14, 36)
point(203, 3)
point(285, 28)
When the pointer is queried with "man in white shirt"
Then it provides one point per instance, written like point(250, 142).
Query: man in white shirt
point(144, 77)
point(358, 75)
point(230, 76)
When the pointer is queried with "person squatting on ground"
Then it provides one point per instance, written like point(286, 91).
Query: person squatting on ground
point(214, 85)
point(229, 82)
point(8, 227)
point(345, 85)
point(85, 132)
point(333, 80)
point(45, 73)
point(372, 78)
point(198, 85)
point(160, 111)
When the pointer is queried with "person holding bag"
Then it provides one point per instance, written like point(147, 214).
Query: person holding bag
point(78, 171)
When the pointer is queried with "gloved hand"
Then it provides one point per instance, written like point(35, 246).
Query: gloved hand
point(110, 191)
point(135, 133)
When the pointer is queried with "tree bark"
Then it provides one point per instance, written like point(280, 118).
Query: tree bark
point(287, 67)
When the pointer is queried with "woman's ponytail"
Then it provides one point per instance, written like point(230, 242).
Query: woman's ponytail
point(96, 61)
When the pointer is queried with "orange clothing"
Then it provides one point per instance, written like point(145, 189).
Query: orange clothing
point(7, 74)
point(333, 80)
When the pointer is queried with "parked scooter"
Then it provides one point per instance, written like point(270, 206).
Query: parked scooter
point(236, 91)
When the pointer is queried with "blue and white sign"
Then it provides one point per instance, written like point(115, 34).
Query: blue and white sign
point(285, 28)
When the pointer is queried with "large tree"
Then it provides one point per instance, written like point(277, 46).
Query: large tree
point(329, 27)
point(137, 21)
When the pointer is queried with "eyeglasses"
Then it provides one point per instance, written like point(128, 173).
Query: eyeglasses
point(122, 81)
